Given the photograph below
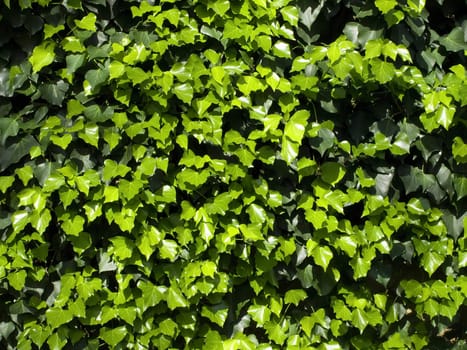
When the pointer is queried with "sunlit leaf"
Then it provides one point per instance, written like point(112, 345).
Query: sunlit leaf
point(113, 336)
point(42, 55)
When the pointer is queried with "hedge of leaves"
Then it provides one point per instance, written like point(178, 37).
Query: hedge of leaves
point(246, 174)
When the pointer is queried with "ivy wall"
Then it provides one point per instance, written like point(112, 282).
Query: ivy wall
point(246, 174)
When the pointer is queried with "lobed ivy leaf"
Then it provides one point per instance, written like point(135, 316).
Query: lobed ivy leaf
point(216, 313)
point(57, 317)
point(8, 127)
point(56, 341)
point(73, 62)
point(113, 336)
point(15, 152)
point(295, 296)
point(17, 279)
point(184, 92)
point(455, 40)
point(322, 256)
point(430, 261)
point(332, 172)
point(88, 22)
point(385, 5)
point(259, 313)
point(73, 226)
point(175, 298)
point(6, 182)
point(39, 334)
point(42, 56)
point(54, 93)
point(383, 71)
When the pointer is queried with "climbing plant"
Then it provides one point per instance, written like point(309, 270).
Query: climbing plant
point(247, 174)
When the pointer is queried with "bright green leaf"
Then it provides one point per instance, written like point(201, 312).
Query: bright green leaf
point(184, 92)
point(385, 5)
point(295, 296)
point(57, 317)
point(175, 298)
point(6, 182)
point(87, 23)
point(113, 336)
point(42, 56)
point(322, 256)
point(295, 127)
point(17, 279)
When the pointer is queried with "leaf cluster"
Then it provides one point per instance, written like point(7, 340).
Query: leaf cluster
point(249, 174)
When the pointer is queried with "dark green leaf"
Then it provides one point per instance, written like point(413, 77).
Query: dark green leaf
point(14, 153)
point(455, 40)
point(8, 127)
point(54, 93)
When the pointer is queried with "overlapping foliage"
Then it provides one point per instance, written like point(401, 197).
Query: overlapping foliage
point(247, 174)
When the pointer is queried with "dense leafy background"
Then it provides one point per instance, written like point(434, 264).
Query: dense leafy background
point(247, 174)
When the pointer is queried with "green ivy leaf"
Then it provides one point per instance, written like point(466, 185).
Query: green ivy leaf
point(116, 69)
point(359, 319)
point(73, 62)
point(57, 317)
point(57, 341)
point(81, 242)
point(247, 84)
point(128, 314)
point(322, 256)
point(460, 186)
point(430, 262)
point(308, 322)
point(251, 232)
point(184, 92)
point(257, 213)
point(72, 44)
point(290, 14)
point(295, 127)
point(87, 23)
point(50, 30)
point(316, 217)
point(216, 313)
point(112, 170)
point(259, 313)
point(295, 296)
point(360, 266)
point(385, 5)
point(459, 150)
point(17, 279)
point(444, 116)
point(6, 182)
point(73, 226)
point(383, 71)
point(455, 40)
point(122, 247)
point(95, 78)
point(19, 220)
point(42, 56)
point(113, 336)
point(61, 141)
point(39, 334)
point(169, 249)
point(289, 150)
point(40, 220)
point(332, 172)
point(67, 196)
point(281, 49)
point(8, 127)
point(175, 298)
point(129, 189)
